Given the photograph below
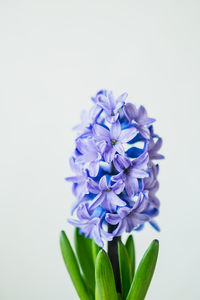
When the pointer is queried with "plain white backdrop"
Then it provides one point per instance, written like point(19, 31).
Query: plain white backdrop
point(54, 55)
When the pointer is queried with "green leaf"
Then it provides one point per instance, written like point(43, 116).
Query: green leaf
point(105, 282)
point(125, 269)
point(119, 296)
point(144, 273)
point(73, 267)
point(83, 248)
point(95, 251)
point(130, 247)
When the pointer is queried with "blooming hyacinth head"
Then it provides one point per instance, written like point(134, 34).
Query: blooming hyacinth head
point(115, 169)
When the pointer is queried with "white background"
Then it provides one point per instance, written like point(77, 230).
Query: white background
point(54, 55)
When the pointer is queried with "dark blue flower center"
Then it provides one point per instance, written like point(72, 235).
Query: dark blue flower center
point(113, 142)
point(127, 171)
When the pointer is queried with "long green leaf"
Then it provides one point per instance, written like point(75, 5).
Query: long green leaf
point(125, 269)
point(130, 247)
point(95, 251)
point(105, 282)
point(83, 248)
point(144, 273)
point(73, 267)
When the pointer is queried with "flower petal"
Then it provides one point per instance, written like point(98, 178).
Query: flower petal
point(103, 185)
point(128, 134)
point(82, 145)
point(118, 187)
point(115, 130)
point(97, 201)
point(138, 173)
point(147, 121)
point(142, 113)
point(130, 112)
point(93, 168)
point(121, 162)
point(144, 131)
point(119, 148)
point(109, 153)
point(113, 219)
point(101, 133)
point(131, 186)
point(93, 187)
point(113, 201)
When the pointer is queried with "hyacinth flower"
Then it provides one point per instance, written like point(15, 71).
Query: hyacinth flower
point(115, 184)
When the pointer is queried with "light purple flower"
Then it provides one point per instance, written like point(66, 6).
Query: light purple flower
point(80, 179)
point(107, 194)
point(151, 185)
point(114, 138)
point(88, 119)
point(90, 155)
point(90, 225)
point(129, 218)
point(115, 179)
point(140, 118)
point(111, 105)
point(131, 171)
point(154, 147)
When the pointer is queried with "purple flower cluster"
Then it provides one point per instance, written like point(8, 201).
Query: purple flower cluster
point(115, 179)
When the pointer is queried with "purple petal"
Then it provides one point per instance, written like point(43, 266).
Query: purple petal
point(118, 187)
point(128, 134)
point(112, 201)
point(96, 236)
point(138, 173)
point(75, 168)
point(124, 211)
point(111, 100)
point(121, 162)
point(82, 212)
point(93, 168)
point(93, 187)
point(157, 156)
point(144, 131)
point(81, 189)
point(106, 235)
point(101, 133)
point(141, 218)
point(115, 130)
point(109, 153)
point(122, 98)
point(130, 112)
point(142, 113)
point(76, 223)
point(119, 177)
point(103, 101)
point(112, 119)
point(81, 145)
point(155, 201)
point(97, 201)
point(120, 228)
point(103, 183)
point(147, 121)
point(158, 144)
point(74, 179)
point(141, 203)
point(131, 186)
point(141, 161)
point(102, 146)
point(113, 219)
point(119, 148)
